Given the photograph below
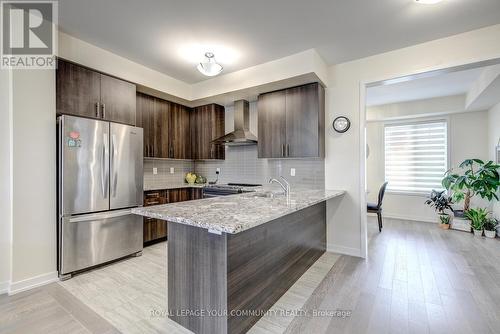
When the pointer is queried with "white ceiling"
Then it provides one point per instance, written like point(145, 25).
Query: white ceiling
point(454, 83)
point(157, 33)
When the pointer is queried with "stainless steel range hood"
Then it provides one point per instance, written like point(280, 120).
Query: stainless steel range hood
point(241, 135)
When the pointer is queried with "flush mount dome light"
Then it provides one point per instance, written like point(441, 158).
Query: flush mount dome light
point(209, 66)
point(428, 2)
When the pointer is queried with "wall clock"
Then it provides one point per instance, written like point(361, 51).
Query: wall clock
point(341, 124)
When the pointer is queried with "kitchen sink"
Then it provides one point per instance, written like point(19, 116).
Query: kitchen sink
point(267, 194)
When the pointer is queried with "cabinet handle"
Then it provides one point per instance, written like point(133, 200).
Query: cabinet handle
point(282, 150)
point(103, 110)
point(287, 150)
point(97, 109)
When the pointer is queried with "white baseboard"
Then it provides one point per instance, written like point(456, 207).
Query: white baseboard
point(343, 250)
point(403, 217)
point(32, 282)
point(4, 287)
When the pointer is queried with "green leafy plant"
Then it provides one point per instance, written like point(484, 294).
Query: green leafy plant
point(439, 201)
point(490, 224)
point(479, 178)
point(477, 217)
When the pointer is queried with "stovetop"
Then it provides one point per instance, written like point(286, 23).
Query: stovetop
point(244, 184)
point(234, 186)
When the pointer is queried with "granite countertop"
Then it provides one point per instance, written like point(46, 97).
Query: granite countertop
point(173, 186)
point(236, 213)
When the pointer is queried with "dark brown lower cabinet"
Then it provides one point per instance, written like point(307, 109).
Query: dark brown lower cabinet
point(155, 230)
point(196, 193)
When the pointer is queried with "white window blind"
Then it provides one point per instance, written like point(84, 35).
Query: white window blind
point(416, 156)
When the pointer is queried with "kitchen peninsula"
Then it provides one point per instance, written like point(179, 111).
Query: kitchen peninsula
point(231, 258)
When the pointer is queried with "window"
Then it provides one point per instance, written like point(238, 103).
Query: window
point(416, 156)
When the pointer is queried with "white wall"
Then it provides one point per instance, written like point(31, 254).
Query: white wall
point(34, 178)
point(418, 108)
point(345, 96)
point(468, 138)
point(494, 137)
point(5, 180)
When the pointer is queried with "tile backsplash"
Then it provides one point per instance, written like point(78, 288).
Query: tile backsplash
point(242, 165)
point(163, 176)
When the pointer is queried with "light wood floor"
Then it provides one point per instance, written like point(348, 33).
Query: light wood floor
point(127, 292)
point(417, 279)
point(49, 309)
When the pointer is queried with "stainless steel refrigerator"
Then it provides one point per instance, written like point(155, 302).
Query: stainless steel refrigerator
point(100, 176)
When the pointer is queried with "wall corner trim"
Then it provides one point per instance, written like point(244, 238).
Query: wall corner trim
point(331, 248)
point(32, 282)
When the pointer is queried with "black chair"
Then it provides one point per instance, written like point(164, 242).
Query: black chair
point(377, 208)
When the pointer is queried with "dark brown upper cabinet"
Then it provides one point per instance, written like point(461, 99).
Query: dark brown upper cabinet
point(207, 124)
point(118, 100)
point(291, 123)
point(146, 120)
point(83, 92)
point(78, 90)
point(166, 128)
point(272, 124)
point(180, 131)
point(162, 136)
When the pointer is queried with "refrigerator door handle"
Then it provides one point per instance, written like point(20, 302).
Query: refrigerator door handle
point(114, 152)
point(98, 216)
point(104, 167)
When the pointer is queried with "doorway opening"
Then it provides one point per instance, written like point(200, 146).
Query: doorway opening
point(417, 127)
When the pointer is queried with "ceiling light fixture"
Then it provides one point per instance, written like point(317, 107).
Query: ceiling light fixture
point(428, 2)
point(209, 66)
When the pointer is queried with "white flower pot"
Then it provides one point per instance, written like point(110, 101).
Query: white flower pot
point(478, 233)
point(490, 234)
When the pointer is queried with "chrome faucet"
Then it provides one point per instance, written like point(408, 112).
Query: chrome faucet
point(285, 185)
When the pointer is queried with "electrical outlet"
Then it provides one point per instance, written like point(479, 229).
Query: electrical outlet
point(217, 170)
point(172, 170)
point(292, 171)
point(155, 170)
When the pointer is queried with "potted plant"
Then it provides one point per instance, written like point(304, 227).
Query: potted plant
point(441, 202)
point(490, 226)
point(479, 178)
point(478, 218)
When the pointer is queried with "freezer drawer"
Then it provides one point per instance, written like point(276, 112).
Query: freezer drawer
point(89, 240)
